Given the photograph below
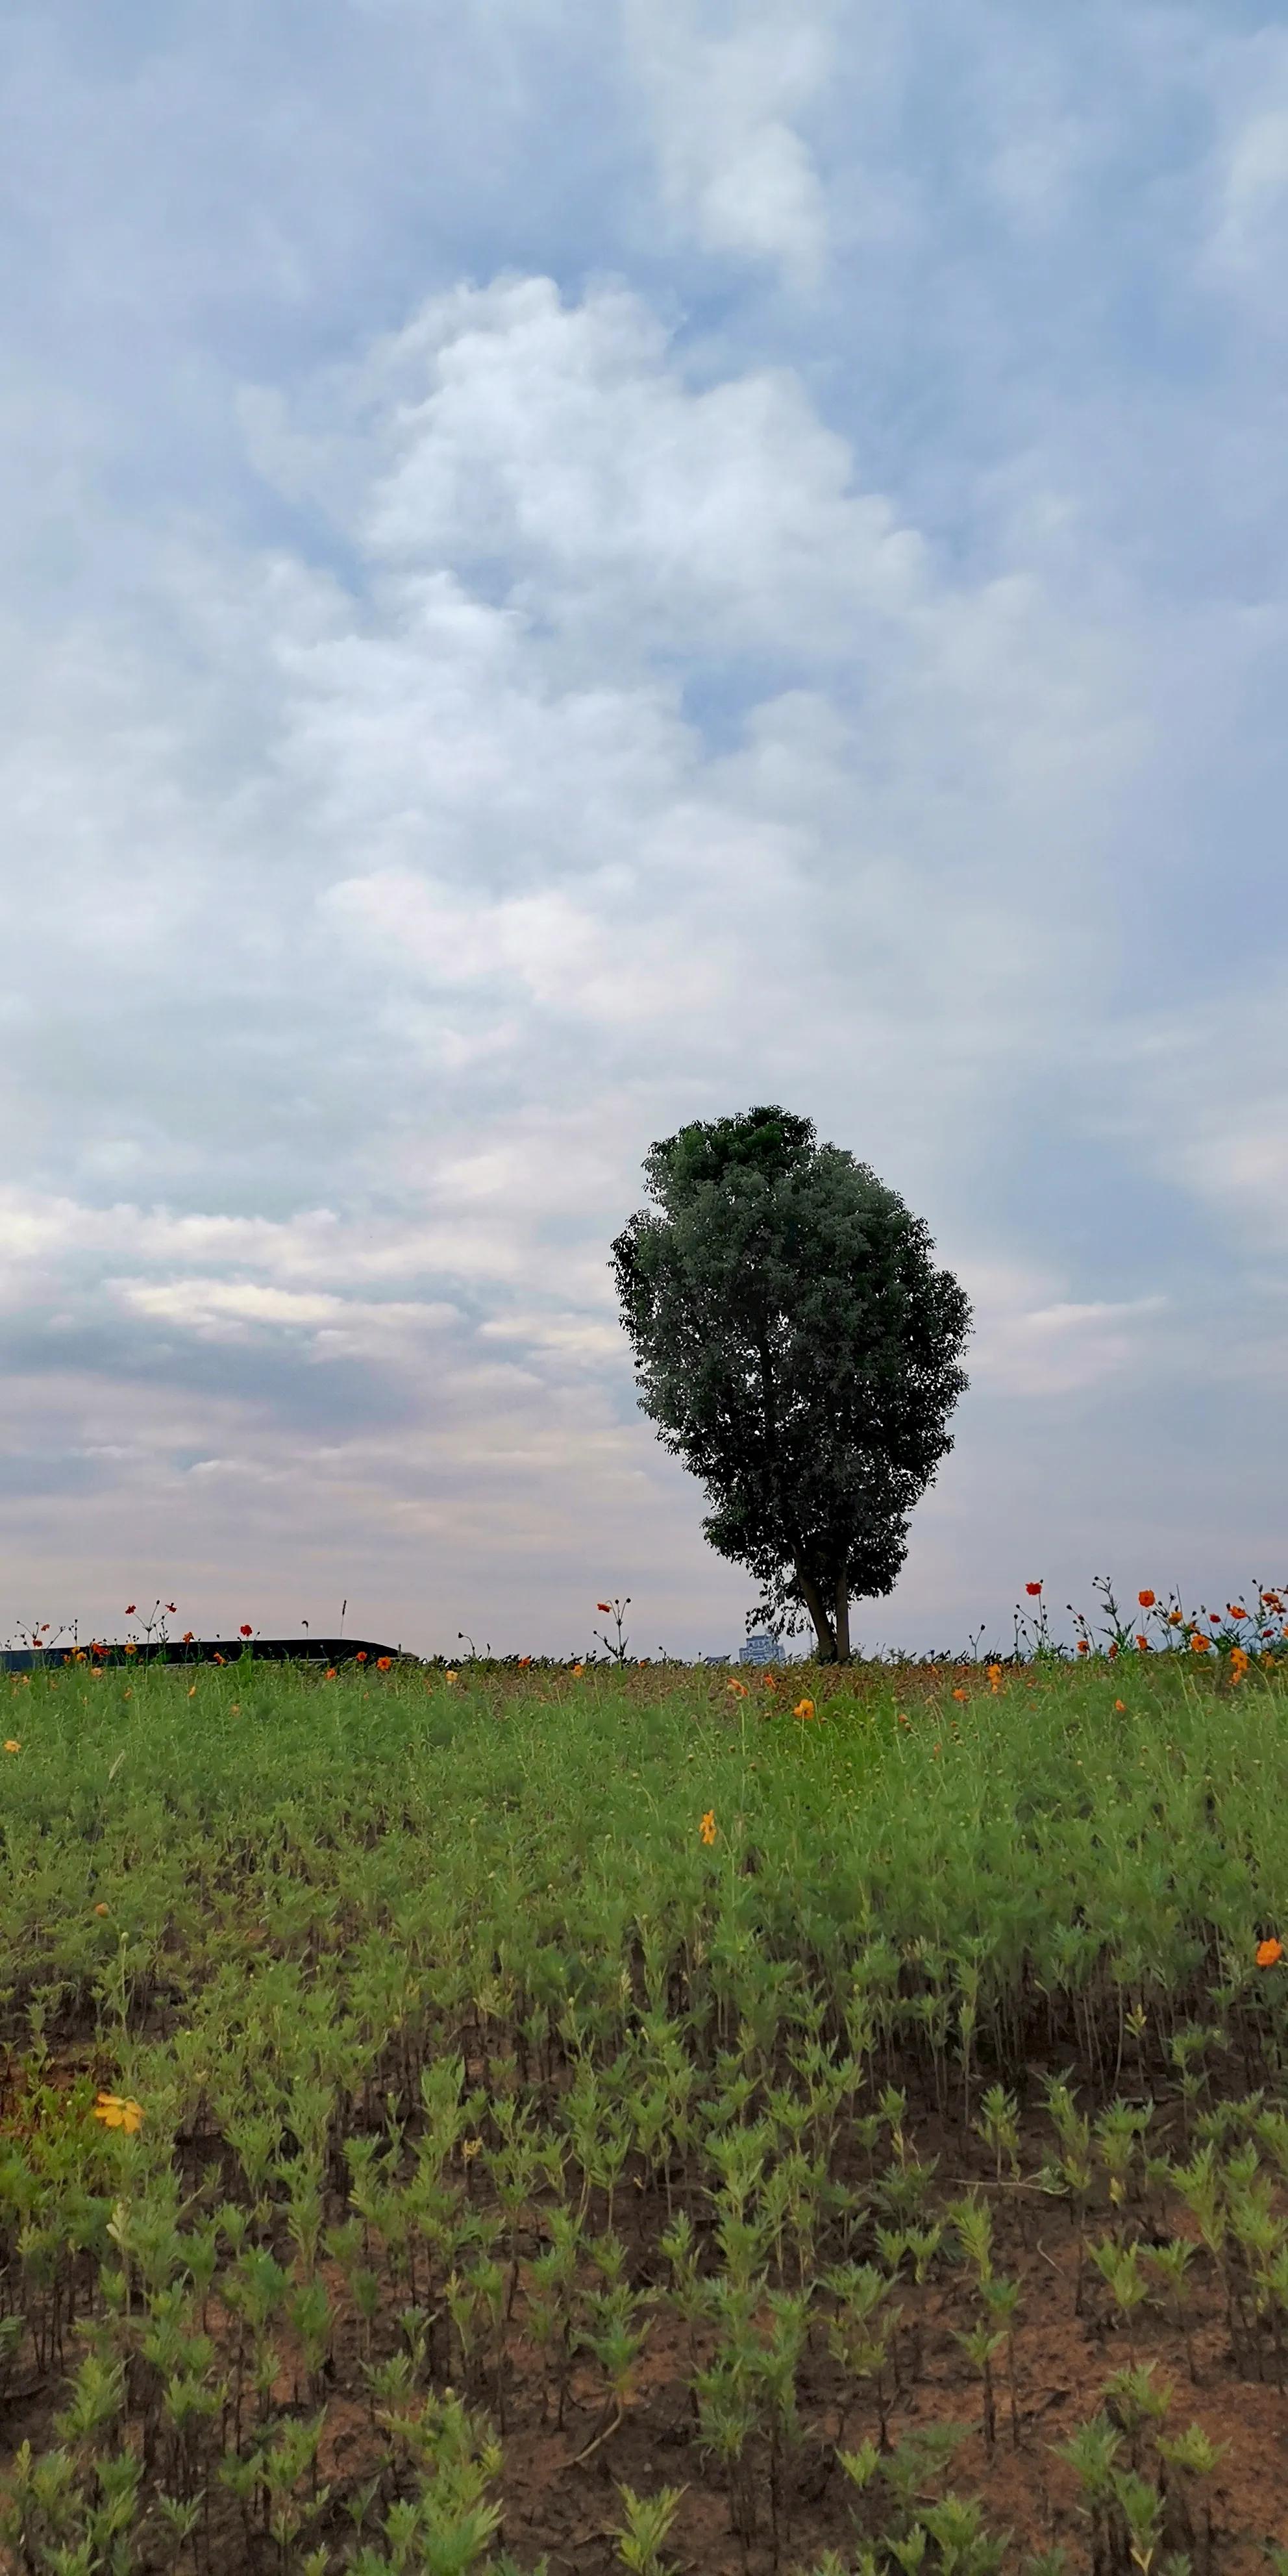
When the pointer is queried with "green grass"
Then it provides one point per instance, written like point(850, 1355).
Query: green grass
point(1034, 1847)
point(467, 2067)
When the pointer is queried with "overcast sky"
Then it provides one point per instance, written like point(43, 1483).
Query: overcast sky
point(575, 564)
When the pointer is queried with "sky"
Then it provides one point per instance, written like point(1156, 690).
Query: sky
point(572, 565)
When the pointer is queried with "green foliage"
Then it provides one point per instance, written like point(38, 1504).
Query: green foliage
point(797, 1348)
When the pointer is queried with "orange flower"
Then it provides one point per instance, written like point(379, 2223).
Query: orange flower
point(1199, 1644)
point(577, 1668)
point(193, 1691)
point(739, 1689)
point(118, 2112)
point(707, 1828)
point(187, 1637)
point(1083, 1647)
point(1143, 1643)
point(100, 1909)
point(900, 1719)
point(804, 1708)
point(1112, 1652)
point(770, 1683)
point(524, 1661)
point(219, 1659)
point(1235, 1610)
point(1120, 1704)
point(959, 1694)
point(11, 1744)
point(1239, 1660)
point(361, 1659)
point(1174, 1619)
point(130, 1647)
point(1146, 1600)
point(1269, 1953)
point(384, 1663)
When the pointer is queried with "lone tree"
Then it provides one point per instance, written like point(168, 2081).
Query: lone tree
point(797, 1348)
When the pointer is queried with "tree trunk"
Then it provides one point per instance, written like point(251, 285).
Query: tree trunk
point(816, 1605)
point(842, 1619)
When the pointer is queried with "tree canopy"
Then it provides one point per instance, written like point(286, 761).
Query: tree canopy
point(797, 1348)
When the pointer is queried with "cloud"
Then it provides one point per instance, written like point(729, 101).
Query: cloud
point(688, 557)
point(736, 173)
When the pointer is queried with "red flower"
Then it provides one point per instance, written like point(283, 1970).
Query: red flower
point(130, 1608)
point(606, 1607)
point(172, 1605)
point(1033, 1590)
point(245, 1629)
point(1083, 1647)
point(523, 1661)
point(363, 1656)
point(1146, 1600)
point(383, 1663)
point(186, 1638)
point(330, 1673)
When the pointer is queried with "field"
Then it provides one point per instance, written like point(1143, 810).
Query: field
point(646, 2118)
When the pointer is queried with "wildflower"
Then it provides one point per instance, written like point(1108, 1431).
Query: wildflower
point(1174, 1619)
point(192, 1690)
point(1120, 1705)
point(606, 1607)
point(1146, 1600)
point(100, 1909)
point(1083, 1647)
point(900, 1719)
point(959, 1694)
point(524, 1661)
point(130, 1608)
point(451, 1677)
point(1235, 1610)
point(127, 1694)
point(1215, 1622)
point(770, 1682)
point(1033, 1590)
point(12, 1745)
point(245, 1629)
point(739, 1689)
point(384, 1663)
point(1239, 1660)
point(1199, 1644)
point(577, 1668)
point(804, 1708)
point(707, 1828)
point(1269, 1953)
point(470, 2148)
point(116, 2111)
point(361, 1659)
point(1143, 1643)
point(234, 1708)
point(995, 1677)
point(130, 1647)
point(187, 1637)
point(172, 1606)
point(329, 1674)
point(219, 1659)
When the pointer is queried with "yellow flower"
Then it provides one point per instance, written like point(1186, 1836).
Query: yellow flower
point(451, 1677)
point(116, 2111)
point(12, 1745)
point(804, 1708)
point(707, 1828)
